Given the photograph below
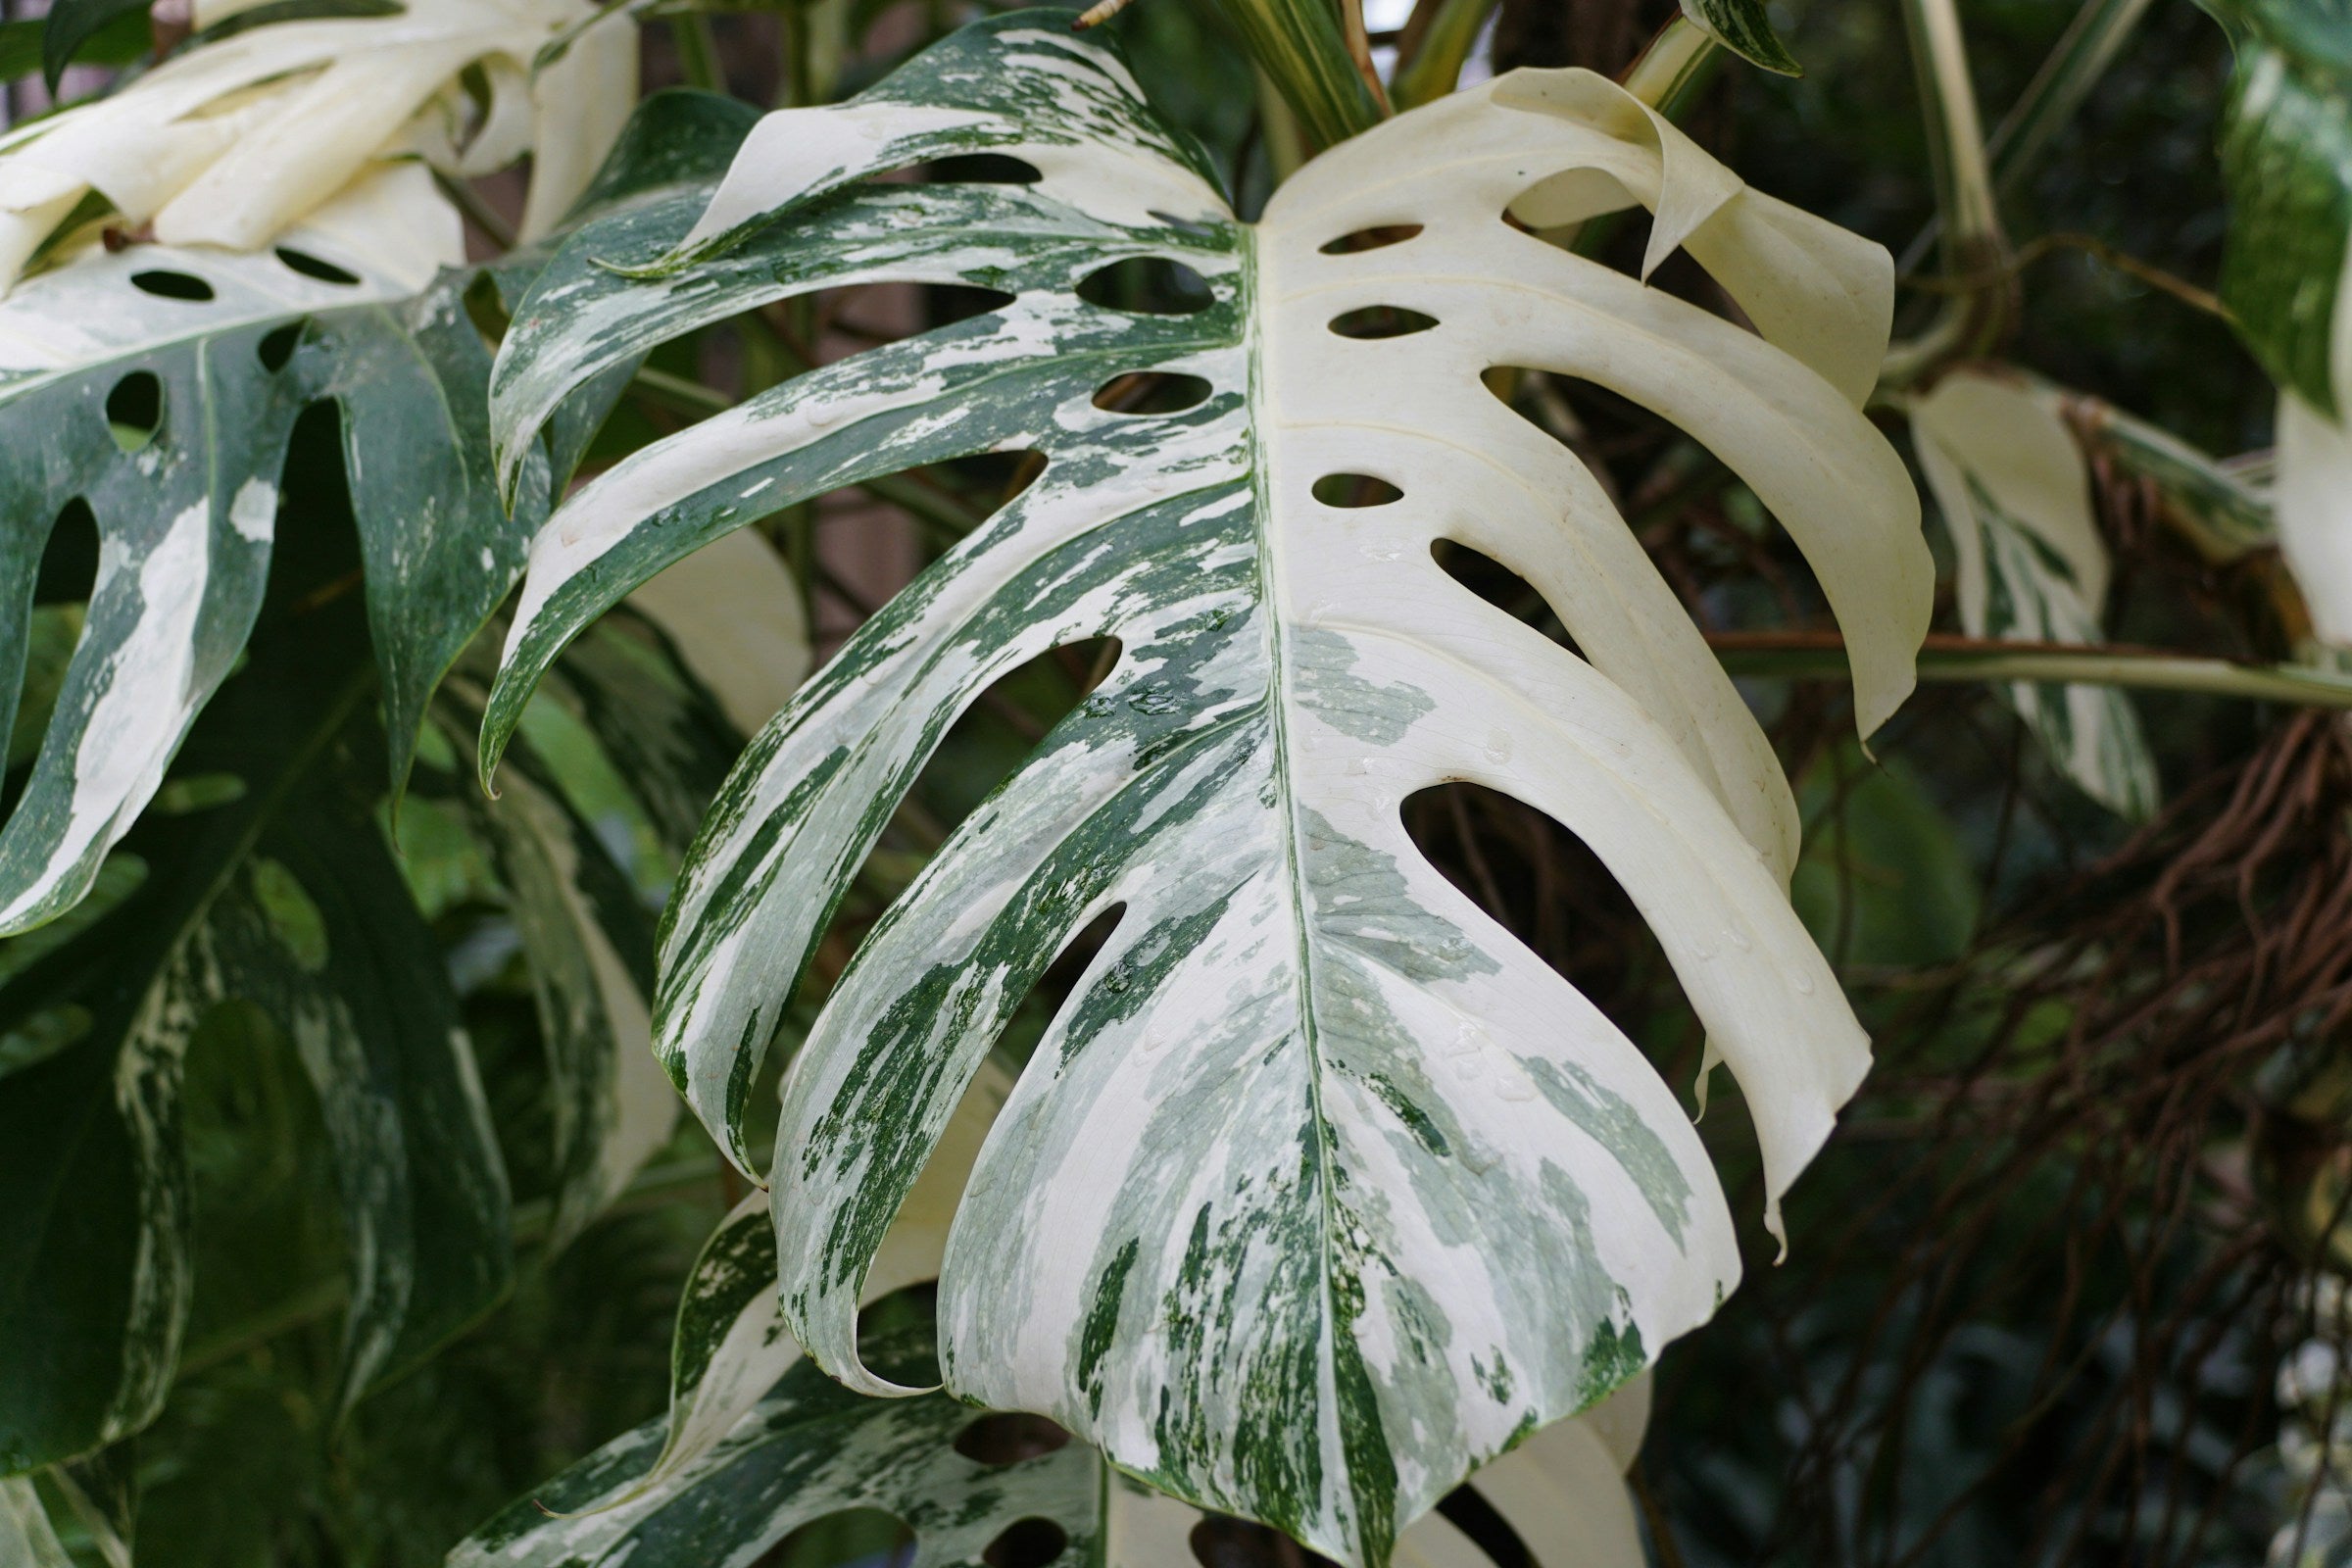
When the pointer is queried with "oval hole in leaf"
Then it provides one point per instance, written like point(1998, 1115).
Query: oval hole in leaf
point(1498, 585)
point(1547, 886)
point(309, 266)
point(978, 169)
point(1382, 320)
point(1355, 490)
point(134, 410)
point(69, 560)
point(864, 1536)
point(1008, 1437)
point(276, 349)
point(1474, 1516)
point(1370, 239)
point(1026, 1543)
point(1147, 285)
point(1152, 392)
point(173, 287)
point(1220, 1542)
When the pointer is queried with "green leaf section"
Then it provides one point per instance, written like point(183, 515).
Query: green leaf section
point(286, 896)
point(73, 25)
point(2287, 153)
point(1299, 46)
point(1745, 28)
point(811, 1452)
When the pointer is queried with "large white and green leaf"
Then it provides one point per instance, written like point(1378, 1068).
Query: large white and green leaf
point(973, 1488)
point(1322, 1189)
point(214, 359)
point(2286, 277)
point(283, 896)
point(2286, 152)
point(159, 388)
point(2014, 489)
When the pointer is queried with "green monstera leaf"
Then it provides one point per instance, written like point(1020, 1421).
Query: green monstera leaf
point(283, 896)
point(1321, 1189)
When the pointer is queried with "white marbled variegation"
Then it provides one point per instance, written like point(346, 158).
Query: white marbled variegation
point(2014, 488)
point(1321, 1189)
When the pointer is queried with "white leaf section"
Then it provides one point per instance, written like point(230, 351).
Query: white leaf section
point(2313, 500)
point(2313, 492)
point(1321, 1189)
point(234, 141)
point(2014, 488)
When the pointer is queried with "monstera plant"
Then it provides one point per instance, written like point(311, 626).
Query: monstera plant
point(1154, 1147)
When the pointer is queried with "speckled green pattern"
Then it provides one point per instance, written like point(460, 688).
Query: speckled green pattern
point(1321, 1189)
point(187, 518)
point(807, 1451)
point(1745, 28)
point(2287, 149)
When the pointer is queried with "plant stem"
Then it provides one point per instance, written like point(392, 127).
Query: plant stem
point(698, 52)
point(2081, 55)
point(1302, 48)
point(1972, 242)
point(1679, 62)
point(2076, 63)
point(1433, 68)
point(1956, 154)
point(1821, 656)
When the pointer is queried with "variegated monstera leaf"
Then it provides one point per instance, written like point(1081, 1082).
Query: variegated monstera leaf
point(1321, 1189)
point(250, 127)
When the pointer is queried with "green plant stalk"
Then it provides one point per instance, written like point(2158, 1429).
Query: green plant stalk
point(1678, 63)
point(1301, 48)
point(1972, 242)
point(1807, 658)
point(2074, 65)
point(1956, 153)
point(1435, 67)
point(698, 52)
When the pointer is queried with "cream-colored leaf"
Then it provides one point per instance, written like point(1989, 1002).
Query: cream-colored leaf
point(234, 142)
point(2313, 501)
